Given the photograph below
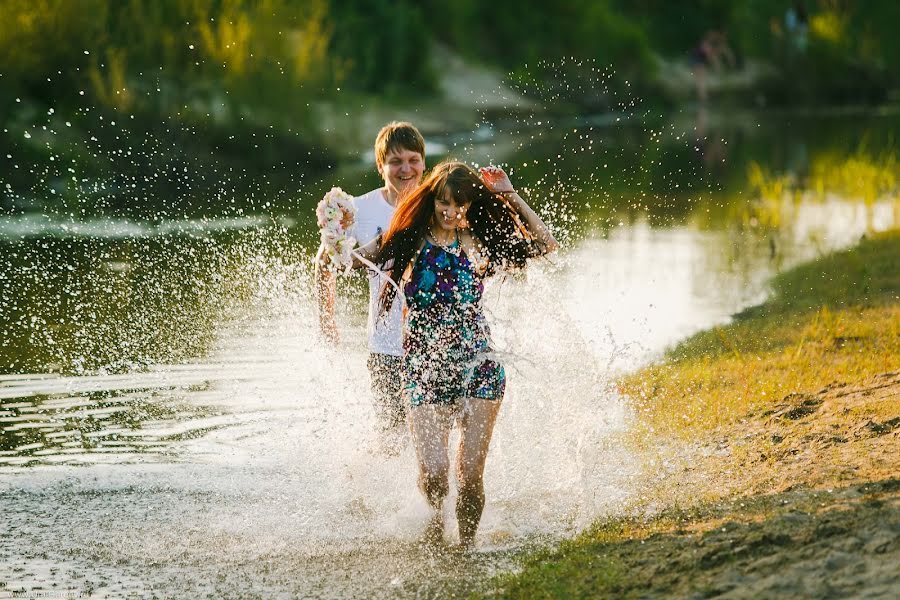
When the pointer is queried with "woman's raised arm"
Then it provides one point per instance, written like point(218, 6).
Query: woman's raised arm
point(498, 182)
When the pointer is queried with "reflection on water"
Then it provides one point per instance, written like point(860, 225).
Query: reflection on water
point(98, 419)
point(31, 225)
point(286, 478)
point(170, 423)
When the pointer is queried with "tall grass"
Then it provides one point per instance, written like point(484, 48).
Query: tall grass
point(860, 175)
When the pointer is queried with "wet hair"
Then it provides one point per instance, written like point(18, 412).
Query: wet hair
point(496, 226)
point(396, 137)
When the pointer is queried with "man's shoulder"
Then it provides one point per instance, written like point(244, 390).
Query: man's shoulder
point(373, 215)
point(372, 206)
point(369, 197)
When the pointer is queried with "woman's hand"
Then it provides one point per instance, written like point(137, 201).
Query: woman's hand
point(496, 180)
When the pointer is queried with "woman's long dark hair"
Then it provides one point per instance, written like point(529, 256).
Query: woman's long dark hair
point(503, 237)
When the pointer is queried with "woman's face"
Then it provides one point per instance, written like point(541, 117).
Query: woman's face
point(448, 213)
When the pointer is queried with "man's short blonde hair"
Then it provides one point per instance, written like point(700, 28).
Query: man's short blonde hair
point(395, 137)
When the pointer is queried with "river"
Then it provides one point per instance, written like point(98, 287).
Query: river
point(172, 426)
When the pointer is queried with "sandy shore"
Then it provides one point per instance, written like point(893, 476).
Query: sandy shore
point(811, 502)
point(801, 500)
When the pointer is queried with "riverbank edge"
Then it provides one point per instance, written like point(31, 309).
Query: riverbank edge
point(796, 495)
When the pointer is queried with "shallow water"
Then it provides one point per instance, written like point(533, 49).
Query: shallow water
point(172, 426)
point(261, 457)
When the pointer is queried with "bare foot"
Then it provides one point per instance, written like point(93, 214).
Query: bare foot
point(433, 536)
point(466, 543)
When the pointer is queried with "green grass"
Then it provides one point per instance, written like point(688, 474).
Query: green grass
point(834, 319)
point(694, 553)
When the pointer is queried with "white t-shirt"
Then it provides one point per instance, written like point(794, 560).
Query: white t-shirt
point(373, 216)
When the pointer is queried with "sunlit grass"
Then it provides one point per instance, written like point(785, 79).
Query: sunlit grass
point(829, 25)
point(151, 56)
point(836, 319)
point(771, 190)
point(860, 175)
point(110, 82)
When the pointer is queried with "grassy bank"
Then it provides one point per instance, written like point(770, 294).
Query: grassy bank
point(770, 446)
point(833, 319)
point(731, 551)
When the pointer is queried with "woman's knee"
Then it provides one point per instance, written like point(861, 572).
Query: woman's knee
point(470, 484)
point(435, 487)
point(434, 480)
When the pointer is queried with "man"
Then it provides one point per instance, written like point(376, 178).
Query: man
point(400, 159)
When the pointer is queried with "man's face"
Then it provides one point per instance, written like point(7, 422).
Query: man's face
point(402, 170)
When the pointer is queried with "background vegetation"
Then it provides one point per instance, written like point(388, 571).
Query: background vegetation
point(277, 56)
point(257, 88)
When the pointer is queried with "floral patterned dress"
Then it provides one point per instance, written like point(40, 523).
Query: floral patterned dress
point(447, 340)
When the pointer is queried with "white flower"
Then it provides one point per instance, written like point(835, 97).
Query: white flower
point(335, 215)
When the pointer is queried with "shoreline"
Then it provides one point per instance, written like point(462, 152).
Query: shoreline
point(795, 495)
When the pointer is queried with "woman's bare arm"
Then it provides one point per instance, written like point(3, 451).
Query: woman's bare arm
point(498, 182)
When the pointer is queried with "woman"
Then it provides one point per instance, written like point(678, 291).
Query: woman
point(446, 237)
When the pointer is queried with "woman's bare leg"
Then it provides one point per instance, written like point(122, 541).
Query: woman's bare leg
point(476, 428)
point(429, 426)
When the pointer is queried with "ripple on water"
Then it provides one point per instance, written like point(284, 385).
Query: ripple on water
point(101, 419)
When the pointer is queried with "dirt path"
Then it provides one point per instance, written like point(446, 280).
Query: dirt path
point(806, 499)
point(843, 544)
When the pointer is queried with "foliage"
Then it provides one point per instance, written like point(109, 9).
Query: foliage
point(385, 44)
point(574, 29)
point(125, 53)
point(43, 38)
point(843, 57)
point(282, 53)
point(561, 52)
point(213, 82)
point(673, 28)
point(860, 175)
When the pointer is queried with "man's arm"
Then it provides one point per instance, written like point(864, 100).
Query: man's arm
point(325, 293)
point(367, 252)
